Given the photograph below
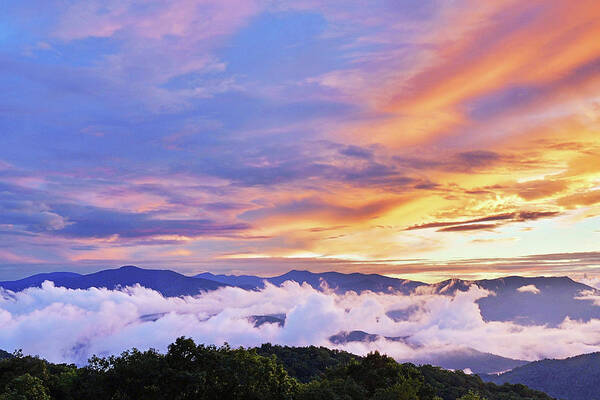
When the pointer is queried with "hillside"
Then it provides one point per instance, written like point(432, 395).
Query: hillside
point(190, 371)
point(457, 359)
point(575, 378)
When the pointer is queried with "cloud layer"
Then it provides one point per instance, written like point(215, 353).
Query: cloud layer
point(70, 325)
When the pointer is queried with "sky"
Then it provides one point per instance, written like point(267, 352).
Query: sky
point(424, 139)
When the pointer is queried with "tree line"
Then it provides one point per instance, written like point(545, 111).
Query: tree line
point(188, 371)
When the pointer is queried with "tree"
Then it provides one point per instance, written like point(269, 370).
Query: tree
point(471, 396)
point(25, 387)
point(199, 372)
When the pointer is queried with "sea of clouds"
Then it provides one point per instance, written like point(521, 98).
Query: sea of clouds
point(66, 325)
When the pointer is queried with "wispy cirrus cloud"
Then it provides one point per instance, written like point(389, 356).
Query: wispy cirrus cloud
point(475, 224)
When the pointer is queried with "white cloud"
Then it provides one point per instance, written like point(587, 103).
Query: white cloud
point(589, 295)
point(529, 289)
point(66, 325)
point(590, 280)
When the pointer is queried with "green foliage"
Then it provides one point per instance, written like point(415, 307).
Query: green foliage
point(452, 385)
point(198, 372)
point(376, 377)
point(25, 387)
point(306, 363)
point(187, 371)
point(471, 396)
point(57, 379)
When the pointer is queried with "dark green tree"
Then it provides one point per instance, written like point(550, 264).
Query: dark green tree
point(25, 387)
point(197, 372)
point(471, 396)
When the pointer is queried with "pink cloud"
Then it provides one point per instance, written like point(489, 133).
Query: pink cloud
point(8, 256)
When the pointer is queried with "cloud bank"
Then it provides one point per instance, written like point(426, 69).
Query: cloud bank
point(65, 325)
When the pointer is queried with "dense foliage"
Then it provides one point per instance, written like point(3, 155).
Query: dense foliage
point(450, 385)
point(574, 378)
point(190, 371)
point(306, 363)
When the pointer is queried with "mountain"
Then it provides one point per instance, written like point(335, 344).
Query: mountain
point(360, 336)
point(259, 320)
point(342, 283)
point(354, 336)
point(457, 359)
point(337, 281)
point(171, 283)
point(469, 359)
point(36, 280)
point(528, 301)
point(168, 283)
point(243, 281)
point(574, 378)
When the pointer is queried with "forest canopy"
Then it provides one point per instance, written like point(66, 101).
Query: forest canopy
point(191, 371)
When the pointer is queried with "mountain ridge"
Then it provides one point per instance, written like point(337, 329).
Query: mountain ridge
point(167, 282)
point(572, 378)
point(448, 286)
point(525, 300)
point(336, 281)
point(517, 299)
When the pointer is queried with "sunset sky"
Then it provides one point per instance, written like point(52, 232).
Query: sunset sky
point(423, 139)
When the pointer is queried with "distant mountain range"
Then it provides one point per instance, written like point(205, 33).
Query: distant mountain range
point(168, 283)
point(538, 300)
point(529, 301)
point(337, 281)
point(575, 378)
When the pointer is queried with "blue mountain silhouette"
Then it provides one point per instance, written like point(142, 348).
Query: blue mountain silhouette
point(168, 283)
